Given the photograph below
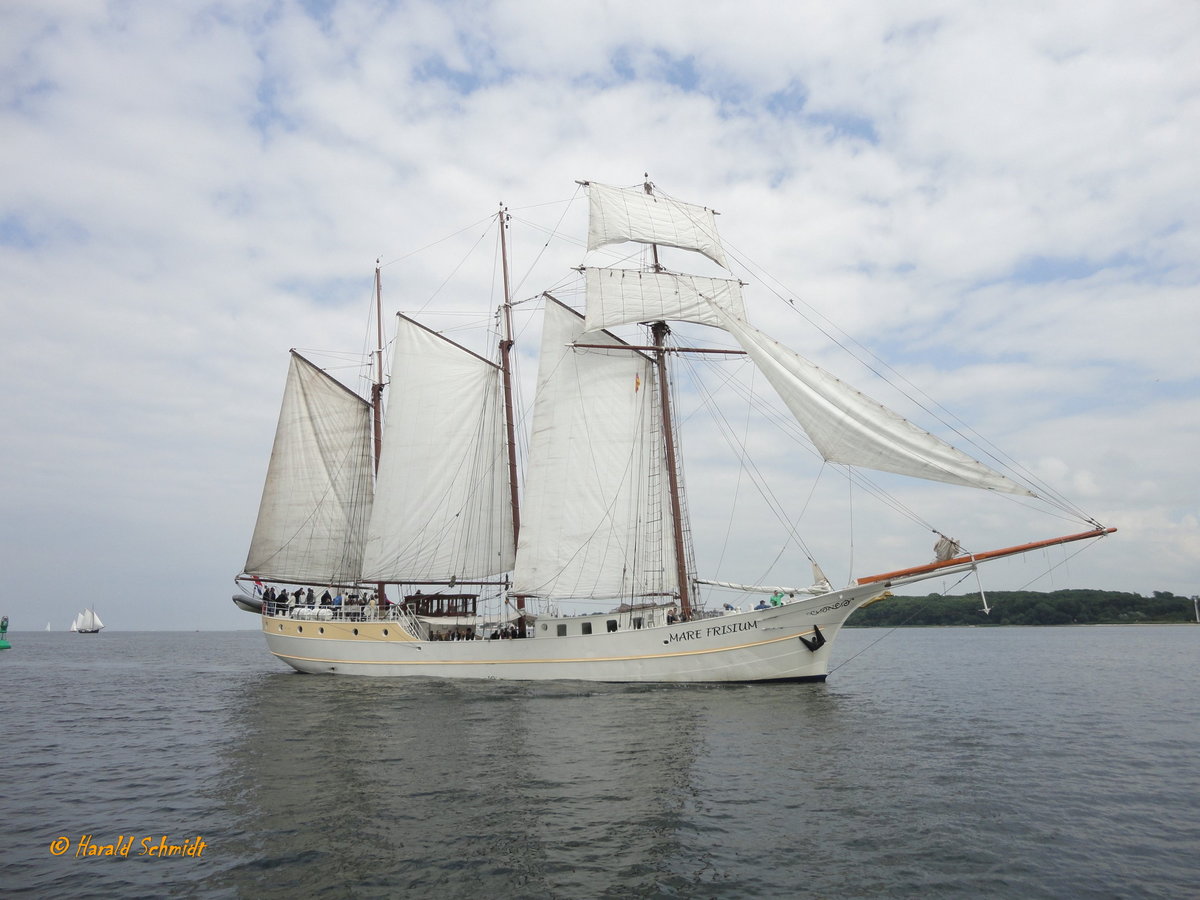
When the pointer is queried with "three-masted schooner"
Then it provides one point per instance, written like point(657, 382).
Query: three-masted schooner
point(406, 550)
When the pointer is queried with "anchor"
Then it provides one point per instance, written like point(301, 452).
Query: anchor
point(817, 641)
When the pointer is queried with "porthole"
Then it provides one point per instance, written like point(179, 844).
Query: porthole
point(385, 632)
point(321, 630)
point(281, 626)
point(544, 626)
point(299, 628)
point(356, 631)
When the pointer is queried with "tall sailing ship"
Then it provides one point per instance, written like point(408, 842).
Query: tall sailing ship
point(408, 550)
point(86, 622)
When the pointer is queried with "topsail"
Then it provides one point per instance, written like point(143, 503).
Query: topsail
point(621, 214)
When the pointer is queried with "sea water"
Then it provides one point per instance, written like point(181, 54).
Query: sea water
point(965, 762)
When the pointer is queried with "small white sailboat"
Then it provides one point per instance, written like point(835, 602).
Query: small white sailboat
point(86, 622)
point(47, 626)
point(429, 510)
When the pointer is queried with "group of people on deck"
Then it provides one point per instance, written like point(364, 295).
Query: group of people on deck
point(350, 606)
point(776, 600)
point(458, 634)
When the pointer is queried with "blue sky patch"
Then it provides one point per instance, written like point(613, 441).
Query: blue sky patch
point(329, 291)
point(435, 69)
point(1043, 269)
point(845, 125)
point(16, 232)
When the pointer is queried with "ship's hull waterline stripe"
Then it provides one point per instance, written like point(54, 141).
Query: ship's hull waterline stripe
point(494, 662)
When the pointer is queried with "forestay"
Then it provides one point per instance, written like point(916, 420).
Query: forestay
point(625, 296)
point(593, 516)
point(312, 518)
point(442, 507)
point(624, 214)
point(848, 427)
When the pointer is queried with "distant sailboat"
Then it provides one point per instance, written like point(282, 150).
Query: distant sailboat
point(87, 622)
point(47, 626)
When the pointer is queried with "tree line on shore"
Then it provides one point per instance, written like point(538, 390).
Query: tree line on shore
point(1067, 607)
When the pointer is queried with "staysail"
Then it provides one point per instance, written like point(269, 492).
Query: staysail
point(594, 516)
point(312, 518)
point(442, 502)
point(623, 214)
point(848, 427)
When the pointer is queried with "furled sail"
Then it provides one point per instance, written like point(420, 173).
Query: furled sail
point(594, 515)
point(317, 499)
point(624, 296)
point(848, 427)
point(442, 501)
point(623, 214)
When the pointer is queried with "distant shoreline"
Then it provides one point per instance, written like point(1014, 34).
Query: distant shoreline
point(1065, 607)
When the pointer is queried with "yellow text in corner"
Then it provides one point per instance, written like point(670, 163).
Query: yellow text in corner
point(153, 845)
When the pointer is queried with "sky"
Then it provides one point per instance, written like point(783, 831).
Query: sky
point(1000, 200)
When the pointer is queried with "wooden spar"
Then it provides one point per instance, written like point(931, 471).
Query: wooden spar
point(657, 349)
point(659, 331)
point(377, 389)
point(377, 386)
point(506, 344)
point(664, 391)
point(980, 557)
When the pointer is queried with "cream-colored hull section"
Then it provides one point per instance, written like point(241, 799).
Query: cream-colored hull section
point(759, 645)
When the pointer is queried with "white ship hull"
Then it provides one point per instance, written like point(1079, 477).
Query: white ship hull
point(758, 645)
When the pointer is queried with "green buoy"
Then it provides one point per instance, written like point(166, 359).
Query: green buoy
point(4, 644)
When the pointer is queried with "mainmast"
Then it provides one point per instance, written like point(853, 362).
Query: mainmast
point(660, 332)
point(506, 345)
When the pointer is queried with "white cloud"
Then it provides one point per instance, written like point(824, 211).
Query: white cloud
point(1001, 196)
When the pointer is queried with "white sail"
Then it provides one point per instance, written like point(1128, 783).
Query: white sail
point(624, 296)
point(623, 214)
point(86, 622)
point(848, 427)
point(593, 519)
point(442, 501)
point(317, 498)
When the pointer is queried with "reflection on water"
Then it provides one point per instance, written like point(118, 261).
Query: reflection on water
point(1017, 762)
point(548, 788)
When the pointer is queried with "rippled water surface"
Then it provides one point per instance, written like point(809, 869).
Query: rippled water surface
point(1007, 762)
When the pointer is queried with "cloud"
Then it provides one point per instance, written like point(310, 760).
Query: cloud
point(997, 200)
